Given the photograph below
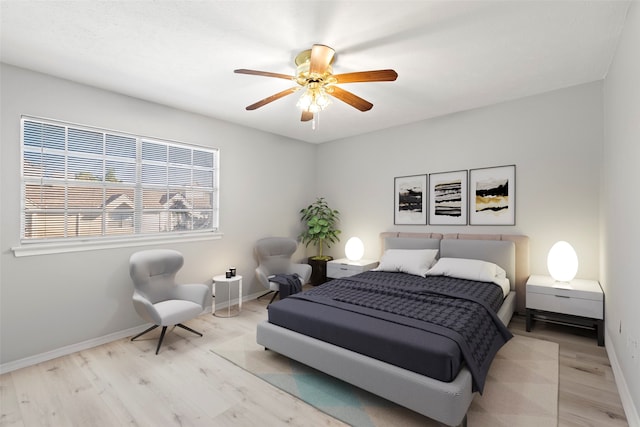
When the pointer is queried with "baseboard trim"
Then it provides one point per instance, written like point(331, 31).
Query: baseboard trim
point(94, 342)
point(630, 410)
point(69, 349)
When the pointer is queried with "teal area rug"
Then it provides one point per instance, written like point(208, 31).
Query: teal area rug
point(521, 387)
point(332, 396)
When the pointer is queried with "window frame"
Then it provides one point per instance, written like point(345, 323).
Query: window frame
point(138, 236)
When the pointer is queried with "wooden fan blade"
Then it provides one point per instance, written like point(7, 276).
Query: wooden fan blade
point(321, 57)
point(306, 116)
point(264, 73)
point(367, 76)
point(351, 99)
point(272, 98)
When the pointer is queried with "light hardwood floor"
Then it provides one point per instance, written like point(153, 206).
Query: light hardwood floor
point(587, 394)
point(125, 383)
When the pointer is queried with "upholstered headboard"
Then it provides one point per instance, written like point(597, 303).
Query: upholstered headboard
point(509, 251)
point(397, 242)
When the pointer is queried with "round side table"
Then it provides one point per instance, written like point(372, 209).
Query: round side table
point(227, 310)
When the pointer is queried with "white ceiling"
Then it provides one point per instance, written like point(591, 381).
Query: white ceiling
point(450, 55)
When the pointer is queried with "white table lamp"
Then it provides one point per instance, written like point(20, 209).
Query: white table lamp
point(354, 249)
point(562, 262)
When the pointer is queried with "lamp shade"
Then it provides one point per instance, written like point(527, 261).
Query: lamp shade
point(354, 249)
point(562, 262)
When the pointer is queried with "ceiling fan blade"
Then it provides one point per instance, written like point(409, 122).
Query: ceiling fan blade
point(367, 76)
point(272, 98)
point(321, 57)
point(264, 73)
point(351, 99)
point(306, 116)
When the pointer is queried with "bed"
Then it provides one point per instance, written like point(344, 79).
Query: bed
point(427, 388)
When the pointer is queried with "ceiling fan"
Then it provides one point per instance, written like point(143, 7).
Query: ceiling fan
point(315, 75)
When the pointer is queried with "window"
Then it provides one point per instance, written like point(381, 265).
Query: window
point(86, 183)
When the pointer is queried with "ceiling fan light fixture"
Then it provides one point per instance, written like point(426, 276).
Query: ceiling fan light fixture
point(322, 100)
point(314, 99)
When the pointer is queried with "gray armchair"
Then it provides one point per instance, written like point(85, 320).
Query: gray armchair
point(274, 257)
point(156, 296)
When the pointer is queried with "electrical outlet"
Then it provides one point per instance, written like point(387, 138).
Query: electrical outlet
point(633, 346)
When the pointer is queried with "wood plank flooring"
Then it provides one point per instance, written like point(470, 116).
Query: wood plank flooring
point(587, 394)
point(125, 383)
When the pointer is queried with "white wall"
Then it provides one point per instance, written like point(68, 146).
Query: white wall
point(620, 211)
point(554, 139)
point(51, 301)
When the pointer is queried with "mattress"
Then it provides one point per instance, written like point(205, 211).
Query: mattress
point(432, 326)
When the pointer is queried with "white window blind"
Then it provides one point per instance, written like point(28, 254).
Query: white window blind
point(87, 183)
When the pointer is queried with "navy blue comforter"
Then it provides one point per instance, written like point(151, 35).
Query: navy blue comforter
point(421, 324)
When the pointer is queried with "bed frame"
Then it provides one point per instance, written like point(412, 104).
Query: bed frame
point(446, 402)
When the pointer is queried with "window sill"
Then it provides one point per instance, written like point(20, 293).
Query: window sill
point(33, 249)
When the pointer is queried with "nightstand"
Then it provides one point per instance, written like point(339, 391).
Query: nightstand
point(344, 267)
point(577, 303)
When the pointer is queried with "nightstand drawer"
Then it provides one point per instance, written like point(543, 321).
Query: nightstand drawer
point(342, 270)
point(577, 288)
point(561, 303)
point(345, 268)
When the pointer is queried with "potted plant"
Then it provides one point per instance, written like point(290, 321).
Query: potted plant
point(320, 221)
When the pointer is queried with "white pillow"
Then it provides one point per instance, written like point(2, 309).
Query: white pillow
point(470, 269)
point(411, 261)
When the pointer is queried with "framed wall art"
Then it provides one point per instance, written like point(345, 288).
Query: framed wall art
point(448, 198)
point(410, 200)
point(492, 196)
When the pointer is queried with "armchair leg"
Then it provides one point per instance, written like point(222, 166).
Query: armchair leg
point(164, 329)
point(273, 297)
point(267, 293)
point(142, 333)
point(264, 295)
point(189, 329)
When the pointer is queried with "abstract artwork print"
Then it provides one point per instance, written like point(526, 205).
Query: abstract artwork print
point(492, 200)
point(448, 198)
point(409, 200)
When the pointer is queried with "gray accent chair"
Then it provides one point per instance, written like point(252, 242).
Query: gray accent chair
point(274, 257)
point(156, 296)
